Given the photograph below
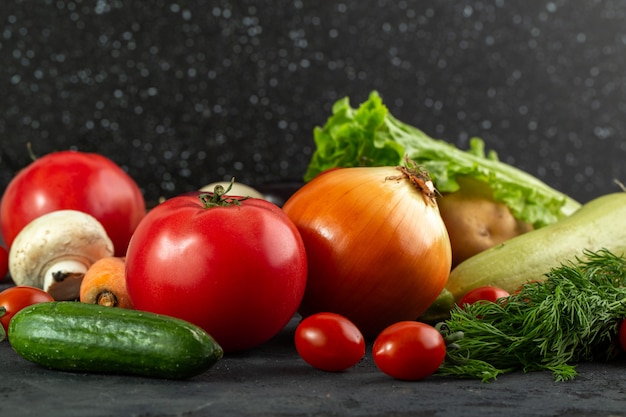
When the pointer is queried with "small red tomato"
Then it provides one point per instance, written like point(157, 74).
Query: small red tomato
point(14, 299)
point(622, 334)
point(4, 263)
point(329, 341)
point(485, 293)
point(409, 350)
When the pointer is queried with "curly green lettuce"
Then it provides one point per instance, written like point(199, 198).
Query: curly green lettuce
point(370, 136)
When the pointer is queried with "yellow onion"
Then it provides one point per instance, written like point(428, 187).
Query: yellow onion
point(378, 250)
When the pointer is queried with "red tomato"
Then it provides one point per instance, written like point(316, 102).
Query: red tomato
point(622, 334)
point(409, 350)
point(329, 341)
point(4, 263)
point(80, 181)
point(485, 293)
point(237, 271)
point(14, 299)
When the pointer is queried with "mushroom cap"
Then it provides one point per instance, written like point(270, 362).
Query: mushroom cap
point(53, 237)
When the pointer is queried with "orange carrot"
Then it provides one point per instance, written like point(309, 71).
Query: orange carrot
point(104, 283)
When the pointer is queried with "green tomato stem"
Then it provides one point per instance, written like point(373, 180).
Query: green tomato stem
point(216, 199)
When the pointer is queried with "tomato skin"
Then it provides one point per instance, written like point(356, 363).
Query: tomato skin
point(4, 263)
point(86, 182)
point(329, 341)
point(485, 293)
point(622, 334)
point(238, 272)
point(13, 299)
point(409, 350)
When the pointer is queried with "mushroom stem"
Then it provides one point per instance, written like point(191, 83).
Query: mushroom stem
point(63, 278)
point(58, 271)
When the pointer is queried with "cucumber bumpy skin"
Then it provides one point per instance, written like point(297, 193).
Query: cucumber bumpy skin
point(80, 337)
point(599, 224)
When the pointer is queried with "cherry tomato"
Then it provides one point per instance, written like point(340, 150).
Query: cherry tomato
point(622, 334)
point(13, 299)
point(238, 271)
point(409, 350)
point(485, 293)
point(329, 341)
point(86, 182)
point(4, 263)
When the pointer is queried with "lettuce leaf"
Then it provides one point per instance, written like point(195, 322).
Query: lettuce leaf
point(370, 136)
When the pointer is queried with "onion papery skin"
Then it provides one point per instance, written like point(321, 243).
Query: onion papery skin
point(378, 250)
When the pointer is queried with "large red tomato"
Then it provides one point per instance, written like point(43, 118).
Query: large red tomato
point(86, 182)
point(238, 271)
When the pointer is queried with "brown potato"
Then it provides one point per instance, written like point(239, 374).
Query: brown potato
point(475, 222)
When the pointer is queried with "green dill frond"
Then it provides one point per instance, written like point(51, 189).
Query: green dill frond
point(572, 316)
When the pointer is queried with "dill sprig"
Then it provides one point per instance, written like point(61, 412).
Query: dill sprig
point(571, 317)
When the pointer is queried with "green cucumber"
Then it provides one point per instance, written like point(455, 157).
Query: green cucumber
point(81, 337)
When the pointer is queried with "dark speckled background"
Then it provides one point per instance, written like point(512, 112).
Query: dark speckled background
point(181, 93)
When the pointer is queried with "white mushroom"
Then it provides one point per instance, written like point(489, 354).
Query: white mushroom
point(54, 251)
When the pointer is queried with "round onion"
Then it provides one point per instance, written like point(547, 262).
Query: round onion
point(378, 249)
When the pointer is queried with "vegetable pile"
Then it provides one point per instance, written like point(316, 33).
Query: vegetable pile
point(445, 261)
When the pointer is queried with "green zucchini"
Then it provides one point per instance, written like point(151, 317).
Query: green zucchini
point(599, 224)
point(81, 337)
